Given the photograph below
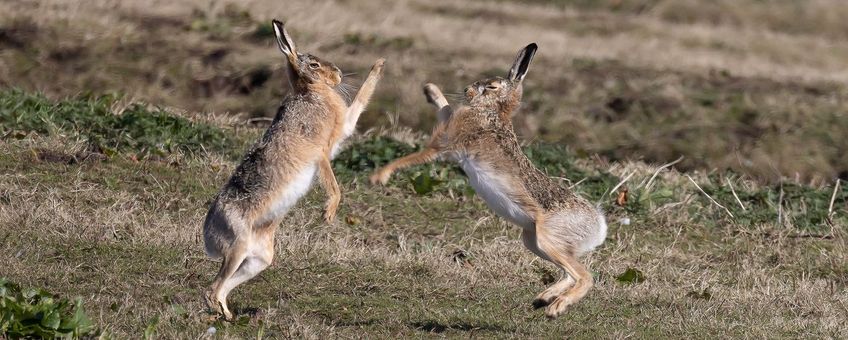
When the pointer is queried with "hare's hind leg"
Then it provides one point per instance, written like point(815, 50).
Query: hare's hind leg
point(256, 256)
point(582, 284)
point(558, 251)
point(232, 259)
point(528, 236)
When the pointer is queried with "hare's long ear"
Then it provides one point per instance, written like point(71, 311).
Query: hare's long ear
point(284, 41)
point(522, 63)
point(287, 47)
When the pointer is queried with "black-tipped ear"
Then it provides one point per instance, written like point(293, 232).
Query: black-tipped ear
point(522, 63)
point(283, 39)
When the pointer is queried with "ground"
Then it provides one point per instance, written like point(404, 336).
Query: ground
point(743, 238)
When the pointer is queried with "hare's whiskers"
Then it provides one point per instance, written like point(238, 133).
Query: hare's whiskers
point(345, 90)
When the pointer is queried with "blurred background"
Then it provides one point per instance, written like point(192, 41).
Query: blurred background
point(752, 86)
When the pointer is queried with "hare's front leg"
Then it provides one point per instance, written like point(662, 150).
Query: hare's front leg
point(328, 182)
point(363, 97)
point(383, 174)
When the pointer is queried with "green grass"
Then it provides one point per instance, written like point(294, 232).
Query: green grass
point(801, 206)
point(137, 128)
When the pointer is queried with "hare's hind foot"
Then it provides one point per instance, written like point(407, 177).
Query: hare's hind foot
point(215, 306)
point(575, 289)
point(557, 307)
point(549, 295)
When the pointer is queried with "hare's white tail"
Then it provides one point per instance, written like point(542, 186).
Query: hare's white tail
point(597, 238)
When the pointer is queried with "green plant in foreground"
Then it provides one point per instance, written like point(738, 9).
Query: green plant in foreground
point(37, 313)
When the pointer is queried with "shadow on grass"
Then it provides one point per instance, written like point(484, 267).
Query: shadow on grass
point(437, 327)
point(358, 323)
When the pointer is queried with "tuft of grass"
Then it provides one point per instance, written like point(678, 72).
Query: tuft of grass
point(137, 129)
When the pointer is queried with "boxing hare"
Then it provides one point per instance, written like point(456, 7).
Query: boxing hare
point(557, 225)
point(302, 139)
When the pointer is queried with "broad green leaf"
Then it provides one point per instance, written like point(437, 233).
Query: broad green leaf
point(51, 319)
point(631, 275)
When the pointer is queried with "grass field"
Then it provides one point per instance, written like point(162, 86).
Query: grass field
point(121, 229)
point(119, 121)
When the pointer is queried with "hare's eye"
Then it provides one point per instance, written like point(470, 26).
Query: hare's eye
point(491, 87)
point(314, 65)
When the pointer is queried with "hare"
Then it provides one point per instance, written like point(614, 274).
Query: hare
point(557, 225)
point(302, 139)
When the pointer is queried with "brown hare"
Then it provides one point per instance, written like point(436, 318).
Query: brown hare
point(302, 139)
point(557, 225)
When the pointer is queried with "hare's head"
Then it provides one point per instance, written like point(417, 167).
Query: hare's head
point(503, 93)
point(305, 68)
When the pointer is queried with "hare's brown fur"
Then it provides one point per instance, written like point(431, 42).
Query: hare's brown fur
point(558, 225)
point(305, 133)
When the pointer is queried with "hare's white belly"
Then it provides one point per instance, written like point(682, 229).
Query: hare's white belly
point(286, 198)
point(494, 191)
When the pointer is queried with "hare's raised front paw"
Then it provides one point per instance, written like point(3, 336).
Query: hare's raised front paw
point(378, 66)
